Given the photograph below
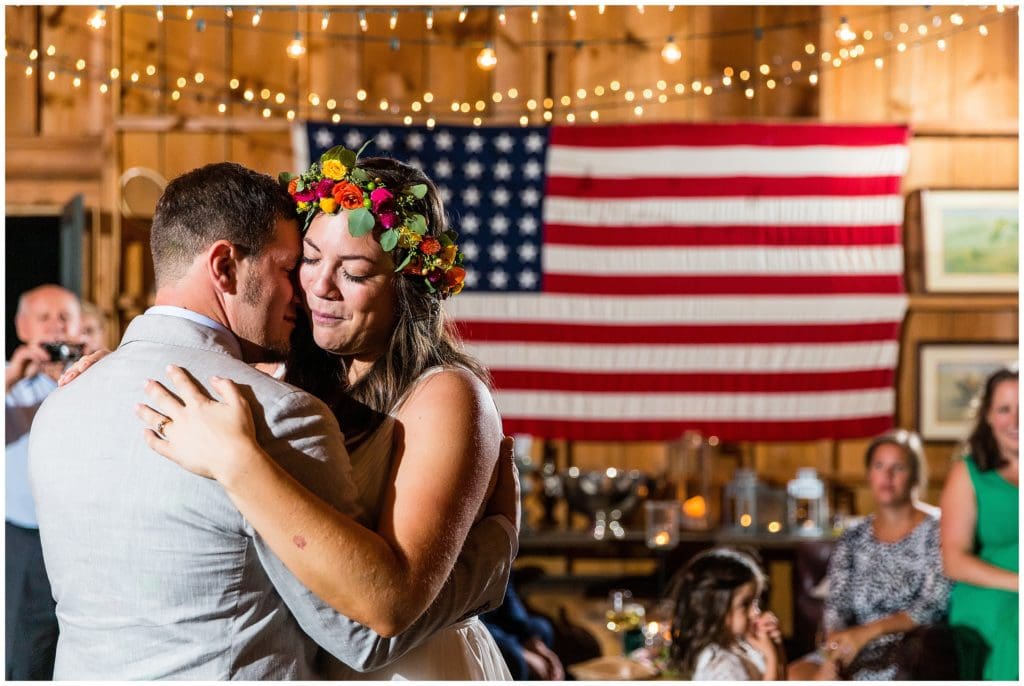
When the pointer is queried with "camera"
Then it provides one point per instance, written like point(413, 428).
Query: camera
point(64, 352)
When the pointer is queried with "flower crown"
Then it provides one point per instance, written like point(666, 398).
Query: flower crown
point(335, 183)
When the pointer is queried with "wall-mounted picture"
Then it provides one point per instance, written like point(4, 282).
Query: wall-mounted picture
point(970, 241)
point(950, 375)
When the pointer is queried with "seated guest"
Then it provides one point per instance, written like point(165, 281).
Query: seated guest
point(524, 639)
point(885, 575)
point(719, 632)
point(980, 537)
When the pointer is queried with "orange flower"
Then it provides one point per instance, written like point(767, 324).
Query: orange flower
point(415, 266)
point(454, 277)
point(430, 246)
point(348, 195)
point(292, 185)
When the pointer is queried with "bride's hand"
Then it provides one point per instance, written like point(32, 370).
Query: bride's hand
point(75, 370)
point(207, 437)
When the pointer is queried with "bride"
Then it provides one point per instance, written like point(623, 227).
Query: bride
point(421, 426)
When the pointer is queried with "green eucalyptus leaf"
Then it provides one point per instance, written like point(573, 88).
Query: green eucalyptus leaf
point(417, 224)
point(358, 175)
point(284, 177)
point(347, 158)
point(404, 263)
point(388, 240)
point(419, 190)
point(309, 220)
point(360, 222)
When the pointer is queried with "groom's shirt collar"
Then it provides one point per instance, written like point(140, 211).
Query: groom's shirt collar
point(201, 319)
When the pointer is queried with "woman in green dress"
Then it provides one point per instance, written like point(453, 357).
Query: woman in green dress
point(980, 537)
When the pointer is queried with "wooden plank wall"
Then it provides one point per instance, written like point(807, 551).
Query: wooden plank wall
point(961, 103)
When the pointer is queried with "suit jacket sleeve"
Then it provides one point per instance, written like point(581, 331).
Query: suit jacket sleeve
point(307, 442)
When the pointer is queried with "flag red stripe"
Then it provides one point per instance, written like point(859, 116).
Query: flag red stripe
point(695, 334)
point(722, 285)
point(718, 135)
point(660, 430)
point(645, 382)
point(719, 187)
point(572, 234)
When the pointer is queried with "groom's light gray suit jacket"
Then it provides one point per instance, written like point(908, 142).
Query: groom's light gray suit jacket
point(155, 572)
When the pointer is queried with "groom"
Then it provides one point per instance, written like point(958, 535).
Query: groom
point(155, 573)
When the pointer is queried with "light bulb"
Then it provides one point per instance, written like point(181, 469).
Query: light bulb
point(362, 21)
point(844, 33)
point(98, 19)
point(296, 48)
point(393, 22)
point(487, 59)
point(430, 20)
point(671, 52)
point(257, 15)
point(462, 14)
point(325, 20)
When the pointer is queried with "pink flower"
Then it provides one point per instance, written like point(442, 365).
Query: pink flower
point(388, 219)
point(324, 187)
point(381, 199)
point(307, 195)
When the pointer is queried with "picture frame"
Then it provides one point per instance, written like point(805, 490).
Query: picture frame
point(950, 375)
point(970, 241)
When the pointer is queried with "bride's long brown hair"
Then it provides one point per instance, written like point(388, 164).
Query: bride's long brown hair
point(423, 335)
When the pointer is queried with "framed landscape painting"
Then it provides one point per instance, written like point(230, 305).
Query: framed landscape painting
point(950, 375)
point(970, 241)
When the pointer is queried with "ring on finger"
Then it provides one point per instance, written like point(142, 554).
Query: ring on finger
point(160, 427)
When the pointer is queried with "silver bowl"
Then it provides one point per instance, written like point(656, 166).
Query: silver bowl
point(606, 496)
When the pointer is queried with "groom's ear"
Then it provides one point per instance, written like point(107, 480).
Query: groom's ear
point(222, 260)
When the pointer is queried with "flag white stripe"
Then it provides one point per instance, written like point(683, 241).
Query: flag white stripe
point(868, 210)
point(742, 261)
point(558, 309)
point(696, 406)
point(703, 359)
point(724, 161)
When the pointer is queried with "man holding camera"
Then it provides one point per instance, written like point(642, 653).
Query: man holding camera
point(47, 323)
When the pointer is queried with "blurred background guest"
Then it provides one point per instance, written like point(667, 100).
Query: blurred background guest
point(885, 574)
point(524, 639)
point(93, 331)
point(46, 314)
point(980, 530)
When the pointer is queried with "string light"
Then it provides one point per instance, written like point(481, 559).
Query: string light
point(430, 20)
point(189, 12)
point(487, 59)
point(296, 48)
point(393, 21)
point(257, 15)
point(844, 53)
point(150, 69)
point(548, 115)
point(28, 70)
point(80, 65)
point(594, 115)
point(501, 16)
point(159, 13)
point(513, 93)
point(325, 20)
point(671, 52)
point(428, 97)
point(114, 73)
point(809, 48)
point(335, 117)
point(462, 14)
point(764, 69)
point(229, 13)
point(361, 95)
point(572, 12)
point(234, 84)
point(199, 77)
point(956, 19)
point(749, 93)
point(524, 120)
point(331, 102)
point(76, 82)
point(175, 95)
point(600, 9)
point(290, 115)
point(534, 15)
point(34, 55)
point(103, 87)
point(407, 120)
point(431, 122)
point(222, 108)
point(363, 24)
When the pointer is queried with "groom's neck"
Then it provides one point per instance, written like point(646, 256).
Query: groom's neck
point(193, 301)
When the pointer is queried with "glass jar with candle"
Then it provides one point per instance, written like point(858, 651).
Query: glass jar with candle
point(661, 522)
point(808, 511)
point(741, 501)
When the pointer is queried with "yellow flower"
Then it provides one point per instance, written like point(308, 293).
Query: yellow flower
point(447, 255)
point(333, 169)
point(302, 206)
point(328, 205)
point(407, 238)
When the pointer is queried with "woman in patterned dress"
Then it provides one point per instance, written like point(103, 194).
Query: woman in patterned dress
point(885, 574)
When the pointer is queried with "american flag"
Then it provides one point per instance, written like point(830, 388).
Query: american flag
point(631, 282)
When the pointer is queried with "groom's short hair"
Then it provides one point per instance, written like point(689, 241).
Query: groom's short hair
point(221, 201)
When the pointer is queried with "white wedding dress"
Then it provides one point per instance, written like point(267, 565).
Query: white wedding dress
point(462, 652)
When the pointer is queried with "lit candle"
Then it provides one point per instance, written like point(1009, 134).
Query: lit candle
point(662, 538)
point(695, 507)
